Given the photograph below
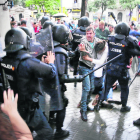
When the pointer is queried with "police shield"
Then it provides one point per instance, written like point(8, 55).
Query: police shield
point(51, 87)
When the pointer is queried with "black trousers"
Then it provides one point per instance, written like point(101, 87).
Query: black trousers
point(60, 116)
point(40, 127)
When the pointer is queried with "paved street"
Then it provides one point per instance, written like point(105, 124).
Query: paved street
point(108, 124)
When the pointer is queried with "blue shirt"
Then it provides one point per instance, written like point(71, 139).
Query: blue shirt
point(134, 33)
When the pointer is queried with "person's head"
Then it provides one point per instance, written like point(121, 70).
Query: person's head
point(58, 21)
point(90, 34)
point(47, 23)
point(6, 130)
point(27, 31)
point(122, 28)
point(23, 23)
point(13, 24)
point(62, 22)
point(34, 25)
point(84, 22)
point(45, 18)
point(100, 46)
point(102, 25)
point(15, 40)
point(18, 24)
point(111, 28)
point(135, 28)
point(60, 33)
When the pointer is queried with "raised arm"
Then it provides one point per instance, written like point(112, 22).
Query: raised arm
point(9, 107)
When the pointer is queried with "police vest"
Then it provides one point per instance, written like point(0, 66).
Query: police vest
point(116, 47)
point(10, 67)
point(77, 35)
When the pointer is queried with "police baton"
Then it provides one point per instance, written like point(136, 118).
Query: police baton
point(103, 65)
point(134, 78)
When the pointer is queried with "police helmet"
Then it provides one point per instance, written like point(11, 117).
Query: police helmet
point(47, 23)
point(16, 39)
point(84, 22)
point(60, 33)
point(45, 18)
point(122, 28)
point(27, 31)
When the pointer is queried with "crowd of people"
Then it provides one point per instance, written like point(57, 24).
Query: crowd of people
point(86, 46)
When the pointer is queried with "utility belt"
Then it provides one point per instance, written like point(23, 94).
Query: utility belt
point(118, 71)
point(84, 65)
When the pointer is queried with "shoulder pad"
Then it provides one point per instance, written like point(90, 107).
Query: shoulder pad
point(24, 56)
point(132, 39)
point(73, 31)
point(60, 50)
point(119, 36)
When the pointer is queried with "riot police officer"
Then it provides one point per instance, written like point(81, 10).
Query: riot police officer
point(77, 34)
point(58, 101)
point(22, 72)
point(120, 43)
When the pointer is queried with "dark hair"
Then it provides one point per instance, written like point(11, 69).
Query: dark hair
point(111, 25)
point(6, 130)
point(19, 24)
point(13, 23)
point(23, 22)
point(99, 46)
point(89, 28)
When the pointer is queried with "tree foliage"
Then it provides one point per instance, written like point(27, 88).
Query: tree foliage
point(19, 2)
point(129, 4)
point(95, 5)
point(50, 6)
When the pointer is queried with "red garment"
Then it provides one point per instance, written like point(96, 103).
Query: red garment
point(35, 29)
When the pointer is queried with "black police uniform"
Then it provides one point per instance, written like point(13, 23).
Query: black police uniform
point(77, 35)
point(117, 70)
point(22, 72)
point(56, 88)
point(83, 22)
point(120, 43)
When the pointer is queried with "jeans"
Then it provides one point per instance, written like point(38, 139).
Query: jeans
point(87, 86)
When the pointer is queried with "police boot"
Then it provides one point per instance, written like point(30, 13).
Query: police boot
point(83, 115)
point(125, 108)
point(61, 134)
point(97, 107)
point(136, 122)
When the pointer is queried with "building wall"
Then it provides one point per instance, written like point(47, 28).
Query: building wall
point(4, 26)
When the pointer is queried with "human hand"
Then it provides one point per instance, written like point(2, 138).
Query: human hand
point(10, 103)
point(50, 57)
point(86, 57)
point(82, 47)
